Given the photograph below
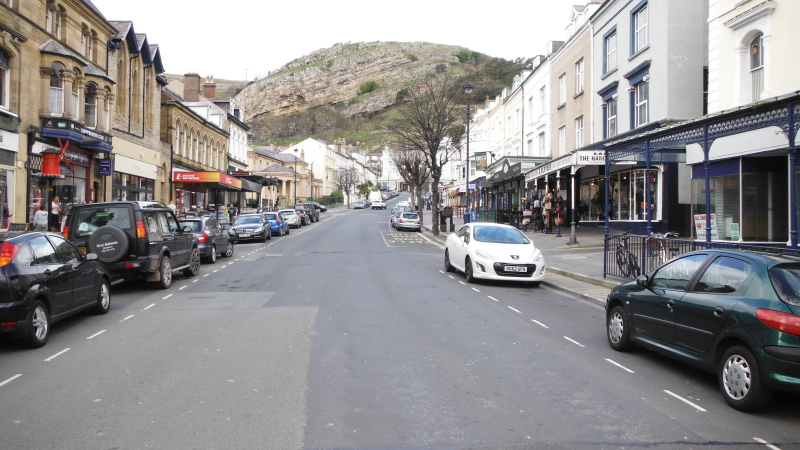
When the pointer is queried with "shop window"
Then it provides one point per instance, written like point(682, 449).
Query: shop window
point(628, 199)
point(90, 105)
point(6, 206)
point(725, 200)
point(57, 89)
point(5, 70)
point(72, 188)
point(592, 203)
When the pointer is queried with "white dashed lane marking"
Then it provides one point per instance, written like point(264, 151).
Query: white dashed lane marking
point(170, 295)
point(684, 400)
point(11, 379)
point(620, 366)
point(539, 323)
point(492, 298)
point(574, 342)
point(96, 334)
point(57, 354)
point(123, 320)
point(759, 440)
point(514, 309)
point(149, 307)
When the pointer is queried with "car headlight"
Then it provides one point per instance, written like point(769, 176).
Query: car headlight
point(484, 255)
point(538, 258)
point(258, 230)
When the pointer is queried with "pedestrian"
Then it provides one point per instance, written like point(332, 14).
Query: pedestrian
point(55, 211)
point(548, 209)
point(172, 206)
point(40, 218)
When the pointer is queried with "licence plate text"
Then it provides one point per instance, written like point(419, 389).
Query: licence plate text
point(244, 235)
point(516, 269)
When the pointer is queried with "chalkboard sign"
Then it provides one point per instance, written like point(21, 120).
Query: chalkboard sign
point(18, 227)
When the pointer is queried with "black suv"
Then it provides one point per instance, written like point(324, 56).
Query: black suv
point(311, 211)
point(134, 239)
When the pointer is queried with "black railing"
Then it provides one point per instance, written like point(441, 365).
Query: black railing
point(628, 256)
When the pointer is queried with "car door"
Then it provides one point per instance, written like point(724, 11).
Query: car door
point(702, 311)
point(183, 240)
point(654, 308)
point(460, 247)
point(169, 238)
point(220, 238)
point(83, 274)
point(53, 274)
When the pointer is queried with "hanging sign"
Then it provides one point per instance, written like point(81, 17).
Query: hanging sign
point(105, 167)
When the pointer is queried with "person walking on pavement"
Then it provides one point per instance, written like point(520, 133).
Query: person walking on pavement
point(548, 209)
point(40, 218)
point(54, 214)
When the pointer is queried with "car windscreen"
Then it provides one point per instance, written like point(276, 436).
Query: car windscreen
point(246, 220)
point(410, 216)
point(499, 235)
point(270, 216)
point(197, 226)
point(288, 213)
point(90, 219)
point(786, 280)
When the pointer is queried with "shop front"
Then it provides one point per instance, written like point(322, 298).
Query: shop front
point(252, 187)
point(508, 187)
point(204, 192)
point(9, 145)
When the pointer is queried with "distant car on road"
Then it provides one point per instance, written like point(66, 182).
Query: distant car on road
point(212, 238)
point(360, 204)
point(408, 220)
point(321, 208)
point(276, 223)
point(378, 204)
point(291, 217)
point(250, 227)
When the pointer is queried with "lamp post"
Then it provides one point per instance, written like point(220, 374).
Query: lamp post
point(295, 177)
point(468, 90)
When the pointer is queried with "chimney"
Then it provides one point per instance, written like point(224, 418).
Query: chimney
point(191, 88)
point(209, 87)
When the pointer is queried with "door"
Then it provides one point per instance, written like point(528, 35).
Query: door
point(702, 311)
point(83, 274)
point(53, 274)
point(460, 248)
point(168, 238)
point(654, 308)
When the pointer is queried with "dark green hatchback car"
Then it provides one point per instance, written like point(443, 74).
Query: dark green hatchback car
point(730, 312)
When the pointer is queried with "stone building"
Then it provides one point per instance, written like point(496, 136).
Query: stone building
point(294, 175)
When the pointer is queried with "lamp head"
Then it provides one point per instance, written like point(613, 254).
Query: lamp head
point(468, 89)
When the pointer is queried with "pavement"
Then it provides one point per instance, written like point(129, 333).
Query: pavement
point(575, 269)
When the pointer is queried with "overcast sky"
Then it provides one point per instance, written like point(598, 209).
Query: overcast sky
point(234, 39)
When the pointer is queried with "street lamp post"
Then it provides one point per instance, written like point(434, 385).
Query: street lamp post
point(295, 176)
point(468, 217)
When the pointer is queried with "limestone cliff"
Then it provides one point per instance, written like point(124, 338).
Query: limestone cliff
point(334, 76)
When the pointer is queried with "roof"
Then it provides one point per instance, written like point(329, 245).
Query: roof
point(284, 157)
point(93, 8)
point(54, 48)
point(278, 168)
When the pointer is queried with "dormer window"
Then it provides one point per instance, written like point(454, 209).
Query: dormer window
point(756, 68)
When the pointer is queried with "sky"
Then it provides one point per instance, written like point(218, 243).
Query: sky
point(241, 39)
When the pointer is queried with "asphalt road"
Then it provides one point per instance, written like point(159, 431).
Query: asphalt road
point(348, 334)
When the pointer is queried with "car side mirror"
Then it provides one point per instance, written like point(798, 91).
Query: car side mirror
point(91, 257)
point(642, 281)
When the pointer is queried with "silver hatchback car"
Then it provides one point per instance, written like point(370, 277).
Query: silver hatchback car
point(409, 220)
point(291, 217)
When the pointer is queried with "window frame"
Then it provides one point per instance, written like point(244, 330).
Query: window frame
point(608, 52)
point(562, 140)
point(611, 103)
point(5, 80)
point(562, 89)
point(640, 35)
point(579, 76)
point(579, 137)
point(640, 105)
point(90, 93)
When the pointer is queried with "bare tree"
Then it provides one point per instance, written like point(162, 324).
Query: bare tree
point(413, 167)
point(346, 180)
point(430, 121)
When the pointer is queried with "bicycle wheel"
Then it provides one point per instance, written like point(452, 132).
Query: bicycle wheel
point(633, 265)
point(622, 261)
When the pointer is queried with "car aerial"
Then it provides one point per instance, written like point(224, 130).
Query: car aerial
point(212, 238)
point(304, 217)
point(734, 313)
point(494, 252)
point(276, 223)
point(44, 278)
point(250, 227)
point(134, 238)
point(378, 204)
point(321, 208)
point(291, 217)
point(409, 220)
point(360, 204)
point(313, 213)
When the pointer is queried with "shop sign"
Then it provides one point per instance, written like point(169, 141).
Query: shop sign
point(234, 173)
point(64, 124)
point(206, 177)
point(508, 171)
point(9, 141)
point(105, 167)
point(700, 227)
point(480, 161)
point(734, 231)
point(76, 157)
point(471, 186)
point(590, 158)
point(552, 166)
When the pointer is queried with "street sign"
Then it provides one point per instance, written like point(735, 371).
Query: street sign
point(472, 186)
point(105, 167)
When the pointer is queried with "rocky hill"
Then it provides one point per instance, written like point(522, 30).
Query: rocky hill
point(355, 78)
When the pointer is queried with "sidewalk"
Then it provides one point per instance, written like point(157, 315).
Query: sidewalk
point(576, 269)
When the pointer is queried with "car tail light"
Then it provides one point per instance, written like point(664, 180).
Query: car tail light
point(65, 233)
point(781, 321)
point(202, 238)
point(400, 221)
point(141, 231)
point(7, 253)
point(7, 325)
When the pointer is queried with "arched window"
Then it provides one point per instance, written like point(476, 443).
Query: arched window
point(90, 105)
point(204, 156)
point(57, 89)
point(756, 67)
point(75, 87)
point(183, 141)
point(122, 84)
point(222, 158)
point(5, 71)
point(177, 146)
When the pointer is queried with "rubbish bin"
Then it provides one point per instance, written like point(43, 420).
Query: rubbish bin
point(467, 218)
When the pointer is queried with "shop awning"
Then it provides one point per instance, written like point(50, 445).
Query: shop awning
point(207, 177)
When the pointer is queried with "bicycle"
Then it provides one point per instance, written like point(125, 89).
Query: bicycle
point(658, 247)
point(626, 260)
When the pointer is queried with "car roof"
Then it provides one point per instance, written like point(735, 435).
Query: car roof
point(149, 204)
point(767, 255)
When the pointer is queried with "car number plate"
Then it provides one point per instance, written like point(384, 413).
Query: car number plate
point(244, 235)
point(516, 269)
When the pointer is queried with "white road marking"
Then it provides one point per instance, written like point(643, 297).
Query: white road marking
point(492, 298)
point(123, 320)
point(57, 354)
point(148, 307)
point(514, 309)
point(170, 295)
point(216, 271)
point(206, 275)
point(574, 342)
point(182, 288)
point(442, 271)
point(195, 281)
point(620, 366)
point(96, 334)
point(759, 440)
point(475, 290)
point(684, 400)
point(539, 323)
point(462, 282)
point(11, 379)
point(452, 277)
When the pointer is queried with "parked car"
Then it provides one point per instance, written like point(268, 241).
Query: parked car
point(395, 214)
point(309, 208)
point(212, 238)
point(409, 220)
point(44, 278)
point(250, 227)
point(360, 205)
point(730, 312)
point(494, 252)
point(276, 224)
point(134, 238)
point(291, 217)
point(305, 218)
point(321, 208)
point(378, 204)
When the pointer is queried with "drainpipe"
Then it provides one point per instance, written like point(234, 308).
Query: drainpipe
point(792, 177)
point(706, 164)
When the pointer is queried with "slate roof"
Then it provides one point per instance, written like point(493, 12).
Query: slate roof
point(54, 48)
point(278, 168)
point(265, 151)
point(93, 8)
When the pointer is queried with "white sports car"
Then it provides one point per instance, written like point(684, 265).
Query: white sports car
point(494, 252)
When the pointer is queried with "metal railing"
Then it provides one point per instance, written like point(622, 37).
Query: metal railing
point(628, 256)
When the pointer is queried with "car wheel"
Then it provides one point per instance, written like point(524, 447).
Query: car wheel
point(103, 299)
point(447, 266)
point(212, 258)
point(468, 271)
point(38, 327)
point(288, 230)
point(229, 252)
point(269, 234)
point(194, 264)
point(165, 272)
point(617, 330)
point(740, 380)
